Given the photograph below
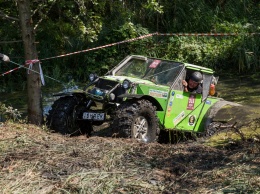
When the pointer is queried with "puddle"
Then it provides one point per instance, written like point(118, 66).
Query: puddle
point(18, 99)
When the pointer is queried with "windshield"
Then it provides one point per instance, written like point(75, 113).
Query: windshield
point(155, 70)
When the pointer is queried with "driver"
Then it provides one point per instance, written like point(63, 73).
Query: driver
point(193, 84)
point(4, 58)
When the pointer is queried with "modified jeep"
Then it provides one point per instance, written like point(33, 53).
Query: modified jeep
point(139, 97)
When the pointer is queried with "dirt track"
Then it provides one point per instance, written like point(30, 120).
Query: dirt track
point(33, 161)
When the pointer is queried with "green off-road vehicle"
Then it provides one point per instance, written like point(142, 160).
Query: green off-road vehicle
point(138, 97)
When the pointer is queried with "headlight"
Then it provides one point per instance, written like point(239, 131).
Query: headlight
point(98, 92)
point(112, 96)
point(126, 84)
point(92, 77)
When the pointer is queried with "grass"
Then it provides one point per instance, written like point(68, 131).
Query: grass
point(236, 135)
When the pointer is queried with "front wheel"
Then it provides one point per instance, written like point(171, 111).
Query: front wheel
point(137, 120)
point(212, 128)
point(63, 117)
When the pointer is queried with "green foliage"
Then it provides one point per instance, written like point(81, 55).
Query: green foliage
point(68, 26)
point(9, 113)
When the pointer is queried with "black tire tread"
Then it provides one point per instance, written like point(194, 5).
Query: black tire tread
point(60, 118)
point(126, 113)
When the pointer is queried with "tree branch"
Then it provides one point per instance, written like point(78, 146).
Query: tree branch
point(13, 41)
point(43, 15)
point(7, 17)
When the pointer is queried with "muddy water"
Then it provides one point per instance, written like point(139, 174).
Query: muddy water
point(48, 97)
point(18, 99)
point(243, 90)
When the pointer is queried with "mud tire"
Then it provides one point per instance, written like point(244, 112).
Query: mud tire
point(137, 120)
point(212, 129)
point(62, 118)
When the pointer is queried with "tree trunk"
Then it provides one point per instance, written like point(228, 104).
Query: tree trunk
point(33, 79)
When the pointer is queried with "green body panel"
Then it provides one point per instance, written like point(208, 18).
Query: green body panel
point(196, 123)
point(135, 80)
point(200, 122)
point(159, 93)
point(181, 110)
point(177, 108)
point(185, 111)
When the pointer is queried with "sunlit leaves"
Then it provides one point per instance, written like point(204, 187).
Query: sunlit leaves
point(65, 26)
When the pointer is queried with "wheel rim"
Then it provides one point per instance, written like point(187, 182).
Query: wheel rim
point(140, 128)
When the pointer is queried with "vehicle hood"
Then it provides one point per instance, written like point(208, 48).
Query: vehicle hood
point(132, 79)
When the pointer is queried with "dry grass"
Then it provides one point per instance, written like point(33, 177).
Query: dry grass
point(35, 161)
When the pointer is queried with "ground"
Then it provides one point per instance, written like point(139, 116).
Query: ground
point(34, 160)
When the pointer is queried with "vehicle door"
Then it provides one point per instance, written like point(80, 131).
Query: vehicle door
point(184, 108)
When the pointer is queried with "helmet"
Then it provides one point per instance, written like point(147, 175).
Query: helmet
point(196, 76)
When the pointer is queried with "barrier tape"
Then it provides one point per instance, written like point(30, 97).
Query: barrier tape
point(10, 71)
point(28, 62)
point(198, 34)
point(23, 66)
point(121, 42)
point(150, 35)
point(100, 47)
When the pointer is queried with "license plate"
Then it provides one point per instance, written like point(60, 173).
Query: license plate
point(94, 116)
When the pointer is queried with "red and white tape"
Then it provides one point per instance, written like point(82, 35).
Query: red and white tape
point(30, 62)
point(10, 71)
point(150, 35)
point(100, 47)
point(197, 34)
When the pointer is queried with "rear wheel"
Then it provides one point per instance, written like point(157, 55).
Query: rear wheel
point(63, 117)
point(212, 128)
point(138, 120)
point(221, 113)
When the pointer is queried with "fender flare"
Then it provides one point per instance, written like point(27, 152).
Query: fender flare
point(140, 96)
point(212, 112)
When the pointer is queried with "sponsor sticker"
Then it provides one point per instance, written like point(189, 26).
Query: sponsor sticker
point(158, 93)
point(169, 109)
point(177, 119)
point(180, 96)
point(208, 102)
point(192, 119)
point(154, 64)
point(191, 102)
